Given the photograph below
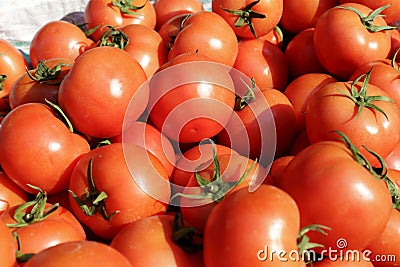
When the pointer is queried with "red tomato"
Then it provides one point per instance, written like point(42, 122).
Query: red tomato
point(154, 234)
point(117, 13)
point(278, 167)
point(10, 193)
point(44, 85)
point(391, 13)
point(360, 195)
point(263, 61)
point(98, 89)
point(300, 142)
point(329, 109)
point(253, 225)
point(336, 53)
point(301, 89)
point(395, 34)
point(8, 250)
point(79, 254)
point(125, 201)
point(37, 148)
point(170, 29)
point(275, 36)
point(199, 82)
point(298, 16)
point(301, 56)
point(393, 160)
point(209, 34)
point(249, 18)
point(166, 9)
point(58, 39)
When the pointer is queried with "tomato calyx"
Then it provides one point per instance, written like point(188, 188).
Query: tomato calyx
point(360, 97)
point(93, 201)
point(248, 97)
point(367, 21)
point(184, 236)
point(115, 38)
point(3, 78)
point(246, 16)
point(61, 115)
point(126, 6)
point(21, 257)
point(303, 240)
point(44, 74)
point(33, 211)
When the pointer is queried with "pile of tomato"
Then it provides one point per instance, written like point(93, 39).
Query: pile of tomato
point(157, 133)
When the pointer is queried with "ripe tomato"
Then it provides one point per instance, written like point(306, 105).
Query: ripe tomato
point(298, 16)
point(41, 83)
point(98, 89)
point(335, 54)
point(330, 108)
point(393, 160)
point(209, 34)
point(300, 142)
point(79, 254)
point(117, 13)
point(170, 29)
point(253, 225)
point(154, 234)
point(278, 167)
point(263, 61)
point(174, 107)
point(360, 195)
point(105, 170)
point(8, 250)
point(250, 18)
point(70, 42)
point(166, 9)
point(37, 148)
point(10, 193)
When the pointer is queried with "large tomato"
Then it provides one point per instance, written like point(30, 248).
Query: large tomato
point(206, 33)
point(245, 228)
point(99, 14)
point(37, 148)
point(79, 254)
point(70, 42)
point(10, 193)
point(98, 89)
point(8, 250)
point(166, 9)
point(341, 49)
point(104, 174)
point(250, 18)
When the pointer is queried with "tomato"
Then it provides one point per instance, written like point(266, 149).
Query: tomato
point(312, 179)
point(300, 142)
point(42, 85)
point(301, 89)
point(275, 36)
point(170, 29)
point(334, 50)
point(198, 82)
point(148, 242)
point(391, 13)
point(206, 33)
point(79, 254)
point(166, 9)
point(301, 56)
point(393, 160)
point(98, 89)
point(70, 39)
point(12, 66)
point(245, 227)
point(117, 13)
point(298, 16)
point(395, 34)
point(10, 193)
point(250, 18)
point(147, 136)
point(43, 148)
point(278, 167)
point(330, 109)
point(8, 250)
point(107, 168)
point(263, 61)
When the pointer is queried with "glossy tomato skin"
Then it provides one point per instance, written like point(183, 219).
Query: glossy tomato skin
point(207, 33)
point(366, 129)
point(70, 39)
point(98, 89)
point(335, 54)
point(166, 9)
point(271, 9)
point(391, 14)
point(49, 149)
point(170, 29)
point(27, 90)
point(267, 217)
point(10, 193)
point(153, 234)
point(298, 16)
point(102, 13)
point(111, 175)
point(263, 61)
point(312, 179)
point(8, 250)
point(79, 254)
